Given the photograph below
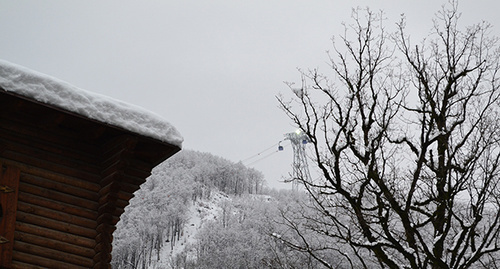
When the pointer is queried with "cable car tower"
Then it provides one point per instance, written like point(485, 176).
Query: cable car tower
point(300, 168)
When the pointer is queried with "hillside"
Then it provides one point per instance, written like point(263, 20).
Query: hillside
point(168, 210)
point(198, 210)
point(199, 214)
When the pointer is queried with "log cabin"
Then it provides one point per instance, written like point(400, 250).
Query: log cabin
point(70, 161)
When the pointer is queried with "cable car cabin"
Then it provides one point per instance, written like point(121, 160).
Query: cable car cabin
point(68, 167)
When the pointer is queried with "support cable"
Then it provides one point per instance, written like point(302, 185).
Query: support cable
point(260, 153)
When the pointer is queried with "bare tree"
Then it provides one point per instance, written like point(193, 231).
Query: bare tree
point(406, 141)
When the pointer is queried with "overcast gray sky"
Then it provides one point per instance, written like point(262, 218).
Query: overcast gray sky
point(211, 68)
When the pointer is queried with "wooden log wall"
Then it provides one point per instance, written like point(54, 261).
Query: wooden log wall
point(57, 200)
point(76, 177)
point(120, 178)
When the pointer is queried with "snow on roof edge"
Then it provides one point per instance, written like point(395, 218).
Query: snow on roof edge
point(49, 90)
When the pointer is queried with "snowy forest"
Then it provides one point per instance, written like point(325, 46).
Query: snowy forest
point(198, 210)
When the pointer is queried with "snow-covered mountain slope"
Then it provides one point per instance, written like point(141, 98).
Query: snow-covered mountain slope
point(182, 197)
point(200, 213)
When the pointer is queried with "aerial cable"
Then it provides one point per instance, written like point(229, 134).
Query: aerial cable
point(260, 153)
point(266, 156)
point(278, 149)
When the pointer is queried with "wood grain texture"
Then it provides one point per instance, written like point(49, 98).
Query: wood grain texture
point(74, 177)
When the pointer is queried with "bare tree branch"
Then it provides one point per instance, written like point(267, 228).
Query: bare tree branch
point(407, 144)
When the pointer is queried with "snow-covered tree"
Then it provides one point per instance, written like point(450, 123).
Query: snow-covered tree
point(241, 236)
point(406, 141)
point(157, 214)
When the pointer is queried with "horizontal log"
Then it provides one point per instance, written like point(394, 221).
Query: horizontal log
point(105, 227)
point(131, 184)
point(56, 215)
point(78, 158)
point(57, 196)
point(54, 140)
point(41, 172)
point(22, 265)
point(130, 172)
point(110, 208)
point(55, 225)
point(59, 206)
point(54, 244)
point(113, 186)
point(59, 186)
point(102, 260)
point(35, 161)
point(56, 235)
point(139, 169)
point(119, 143)
point(121, 202)
point(49, 258)
point(113, 165)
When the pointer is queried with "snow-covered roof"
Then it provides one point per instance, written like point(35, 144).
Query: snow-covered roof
point(46, 89)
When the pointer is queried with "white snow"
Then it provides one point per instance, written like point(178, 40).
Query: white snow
point(437, 238)
point(200, 213)
point(45, 89)
point(276, 235)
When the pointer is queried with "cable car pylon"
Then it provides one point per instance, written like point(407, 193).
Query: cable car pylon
point(300, 171)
